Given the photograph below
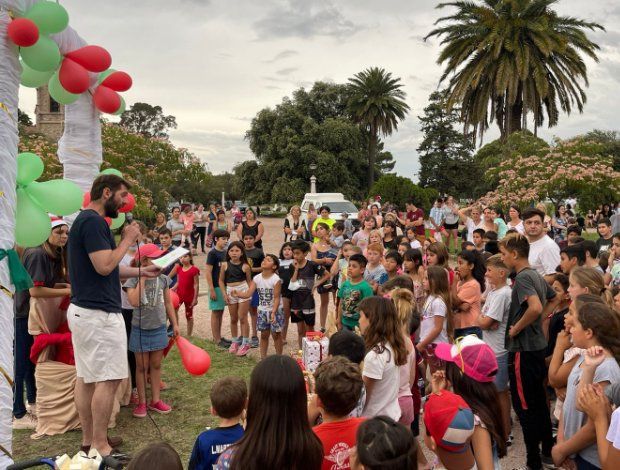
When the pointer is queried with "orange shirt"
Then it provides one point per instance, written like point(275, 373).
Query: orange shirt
point(471, 293)
point(337, 439)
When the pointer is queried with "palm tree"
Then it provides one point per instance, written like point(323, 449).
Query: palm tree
point(507, 58)
point(377, 104)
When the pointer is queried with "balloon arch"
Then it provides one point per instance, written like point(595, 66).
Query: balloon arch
point(79, 77)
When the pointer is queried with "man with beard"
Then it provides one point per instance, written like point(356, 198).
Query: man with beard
point(94, 316)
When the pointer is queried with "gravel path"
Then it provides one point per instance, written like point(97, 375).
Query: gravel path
point(272, 241)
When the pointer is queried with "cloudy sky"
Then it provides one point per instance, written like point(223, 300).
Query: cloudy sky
point(215, 63)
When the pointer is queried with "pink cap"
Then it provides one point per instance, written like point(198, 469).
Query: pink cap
point(472, 355)
point(150, 250)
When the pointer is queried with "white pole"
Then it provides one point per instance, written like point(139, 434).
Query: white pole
point(313, 184)
point(223, 201)
point(10, 72)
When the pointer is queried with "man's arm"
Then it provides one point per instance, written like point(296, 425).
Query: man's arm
point(105, 261)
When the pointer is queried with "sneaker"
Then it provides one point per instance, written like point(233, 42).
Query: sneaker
point(25, 422)
point(243, 350)
point(32, 409)
point(140, 411)
point(226, 340)
point(254, 342)
point(134, 400)
point(160, 407)
point(224, 344)
point(234, 347)
point(547, 462)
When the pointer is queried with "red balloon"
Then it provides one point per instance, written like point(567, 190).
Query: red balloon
point(118, 81)
point(195, 360)
point(93, 58)
point(129, 204)
point(106, 100)
point(176, 301)
point(108, 221)
point(73, 77)
point(86, 199)
point(23, 32)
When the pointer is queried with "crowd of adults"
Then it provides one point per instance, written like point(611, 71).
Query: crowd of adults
point(519, 294)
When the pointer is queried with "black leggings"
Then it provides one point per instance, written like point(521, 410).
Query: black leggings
point(202, 234)
point(131, 357)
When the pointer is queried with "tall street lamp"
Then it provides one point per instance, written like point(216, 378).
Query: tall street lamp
point(312, 178)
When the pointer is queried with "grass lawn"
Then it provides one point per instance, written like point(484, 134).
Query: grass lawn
point(188, 395)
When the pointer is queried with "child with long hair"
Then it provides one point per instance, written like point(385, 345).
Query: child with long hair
point(235, 275)
point(152, 304)
point(362, 237)
point(386, 351)
point(595, 326)
point(584, 280)
point(413, 266)
point(467, 293)
point(322, 254)
point(285, 272)
point(471, 366)
point(187, 287)
point(277, 434)
point(436, 316)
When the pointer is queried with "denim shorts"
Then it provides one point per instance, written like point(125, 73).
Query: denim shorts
point(263, 322)
point(501, 378)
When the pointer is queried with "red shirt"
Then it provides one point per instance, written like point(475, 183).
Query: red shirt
point(185, 280)
point(337, 439)
point(413, 216)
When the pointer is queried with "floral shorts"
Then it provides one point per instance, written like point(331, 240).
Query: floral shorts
point(263, 322)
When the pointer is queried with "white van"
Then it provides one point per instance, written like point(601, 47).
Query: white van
point(335, 201)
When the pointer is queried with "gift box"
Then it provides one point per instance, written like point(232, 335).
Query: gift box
point(313, 349)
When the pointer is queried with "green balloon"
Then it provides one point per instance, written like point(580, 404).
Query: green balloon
point(33, 79)
point(118, 222)
point(103, 75)
point(60, 197)
point(29, 168)
point(32, 224)
point(57, 92)
point(121, 108)
point(111, 171)
point(44, 56)
point(50, 17)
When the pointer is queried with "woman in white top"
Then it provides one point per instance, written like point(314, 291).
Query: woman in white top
point(514, 219)
point(471, 218)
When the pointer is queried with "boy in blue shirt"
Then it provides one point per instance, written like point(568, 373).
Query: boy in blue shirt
point(228, 400)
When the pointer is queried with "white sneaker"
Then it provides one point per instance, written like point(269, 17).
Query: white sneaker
point(25, 422)
point(32, 409)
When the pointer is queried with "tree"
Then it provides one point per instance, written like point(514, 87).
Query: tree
point(446, 154)
point(311, 128)
point(377, 103)
point(570, 168)
point(147, 120)
point(23, 118)
point(489, 157)
point(508, 58)
point(399, 190)
point(610, 142)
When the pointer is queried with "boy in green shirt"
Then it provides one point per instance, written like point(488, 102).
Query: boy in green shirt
point(352, 292)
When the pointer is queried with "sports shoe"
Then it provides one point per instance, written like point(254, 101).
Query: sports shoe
point(243, 350)
point(547, 462)
point(234, 347)
point(134, 400)
point(254, 342)
point(140, 411)
point(27, 421)
point(32, 409)
point(226, 340)
point(160, 407)
point(224, 344)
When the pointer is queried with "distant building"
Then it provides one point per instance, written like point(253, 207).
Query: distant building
point(49, 115)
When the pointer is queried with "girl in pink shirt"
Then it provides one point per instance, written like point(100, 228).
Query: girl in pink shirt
point(467, 292)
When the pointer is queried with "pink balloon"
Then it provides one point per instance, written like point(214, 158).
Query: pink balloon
point(176, 301)
point(118, 81)
point(73, 77)
point(92, 58)
point(86, 199)
point(106, 100)
point(23, 32)
point(129, 204)
point(195, 360)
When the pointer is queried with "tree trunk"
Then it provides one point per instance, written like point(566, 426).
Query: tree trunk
point(372, 155)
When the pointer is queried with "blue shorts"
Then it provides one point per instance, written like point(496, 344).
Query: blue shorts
point(501, 378)
point(254, 301)
point(263, 323)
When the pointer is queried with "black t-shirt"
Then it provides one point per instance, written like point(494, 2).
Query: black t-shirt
point(556, 324)
point(302, 298)
point(43, 270)
point(603, 245)
point(391, 245)
point(255, 257)
point(215, 259)
point(246, 229)
point(89, 289)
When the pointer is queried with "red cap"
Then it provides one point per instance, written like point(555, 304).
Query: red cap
point(449, 420)
point(57, 221)
point(150, 250)
point(472, 355)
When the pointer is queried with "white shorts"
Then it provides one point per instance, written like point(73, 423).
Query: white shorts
point(233, 299)
point(99, 343)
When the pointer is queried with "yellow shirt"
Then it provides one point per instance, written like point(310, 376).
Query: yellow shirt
point(329, 222)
